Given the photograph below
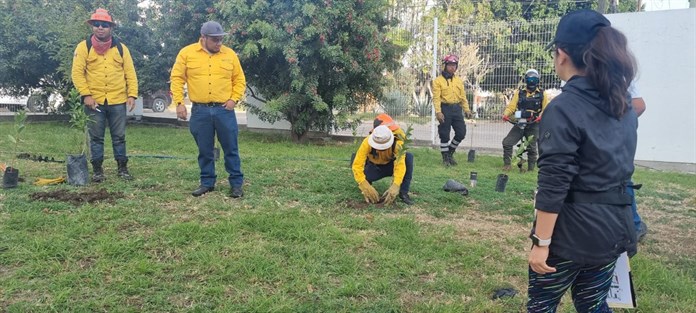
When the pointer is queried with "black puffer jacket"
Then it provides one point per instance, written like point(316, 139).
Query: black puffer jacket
point(584, 148)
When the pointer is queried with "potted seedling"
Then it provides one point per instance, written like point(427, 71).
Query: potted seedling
point(516, 158)
point(78, 172)
point(10, 177)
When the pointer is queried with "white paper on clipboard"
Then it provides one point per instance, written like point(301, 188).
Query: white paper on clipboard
point(621, 294)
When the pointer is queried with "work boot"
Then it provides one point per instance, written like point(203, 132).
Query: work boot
point(446, 158)
point(641, 231)
point(98, 175)
point(451, 158)
point(530, 166)
point(506, 168)
point(123, 170)
point(236, 192)
point(405, 198)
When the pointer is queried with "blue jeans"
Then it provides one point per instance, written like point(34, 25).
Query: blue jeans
point(207, 122)
point(375, 172)
point(634, 208)
point(115, 116)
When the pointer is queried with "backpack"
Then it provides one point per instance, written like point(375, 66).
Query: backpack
point(116, 42)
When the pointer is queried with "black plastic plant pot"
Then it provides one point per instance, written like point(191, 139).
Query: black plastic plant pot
point(78, 172)
point(501, 183)
point(10, 178)
point(472, 156)
point(216, 153)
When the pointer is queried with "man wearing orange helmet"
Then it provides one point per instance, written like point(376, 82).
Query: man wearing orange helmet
point(449, 100)
point(103, 73)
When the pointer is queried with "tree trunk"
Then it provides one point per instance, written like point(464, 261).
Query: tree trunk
point(299, 137)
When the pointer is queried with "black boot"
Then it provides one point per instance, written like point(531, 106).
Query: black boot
point(446, 158)
point(530, 166)
point(451, 158)
point(98, 175)
point(123, 169)
point(405, 198)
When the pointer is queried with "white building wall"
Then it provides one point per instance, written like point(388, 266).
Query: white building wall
point(664, 44)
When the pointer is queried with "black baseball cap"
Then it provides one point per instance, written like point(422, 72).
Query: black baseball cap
point(579, 27)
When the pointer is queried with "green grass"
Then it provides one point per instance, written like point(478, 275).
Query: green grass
point(301, 239)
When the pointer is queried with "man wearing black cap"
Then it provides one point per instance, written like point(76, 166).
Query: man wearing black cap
point(215, 83)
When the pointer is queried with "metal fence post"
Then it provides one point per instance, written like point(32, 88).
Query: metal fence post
point(433, 76)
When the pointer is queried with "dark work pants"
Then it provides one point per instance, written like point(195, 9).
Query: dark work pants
point(375, 172)
point(514, 136)
point(454, 118)
point(206, 122)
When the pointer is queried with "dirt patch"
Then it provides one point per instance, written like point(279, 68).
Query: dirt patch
point(77, 198)
point(362, 205)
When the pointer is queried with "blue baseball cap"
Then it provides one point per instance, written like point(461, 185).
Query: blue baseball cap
point(579, 27)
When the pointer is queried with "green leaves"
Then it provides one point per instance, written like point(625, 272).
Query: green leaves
point(308, 59)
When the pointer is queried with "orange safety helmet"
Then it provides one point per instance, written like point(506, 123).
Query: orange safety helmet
point(386, 120)
point(101, 15)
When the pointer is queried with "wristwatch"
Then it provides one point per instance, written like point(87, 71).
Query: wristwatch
point(539, 242)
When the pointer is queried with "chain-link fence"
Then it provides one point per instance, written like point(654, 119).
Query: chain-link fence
point(493, 58)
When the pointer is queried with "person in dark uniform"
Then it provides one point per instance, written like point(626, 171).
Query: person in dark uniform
point(587, 142)
point(449, 100)
point(530, 101)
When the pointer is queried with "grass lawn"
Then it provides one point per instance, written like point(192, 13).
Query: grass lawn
point(301, 239)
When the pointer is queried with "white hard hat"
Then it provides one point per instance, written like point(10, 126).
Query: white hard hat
point(381, 138)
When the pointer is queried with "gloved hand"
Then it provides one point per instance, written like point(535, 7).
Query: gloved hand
point(537, 119)
point(371, 195)
point(391, 193)
point(506, 118)
point(468, 114)
point(440, 117)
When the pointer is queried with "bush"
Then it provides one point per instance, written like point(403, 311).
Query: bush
point(422, 108)
point(395, 103)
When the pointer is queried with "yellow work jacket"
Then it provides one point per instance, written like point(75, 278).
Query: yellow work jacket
point(449, 91)
point(210, 77)
point(104, 77)
point(512, 106)
point(379, 157)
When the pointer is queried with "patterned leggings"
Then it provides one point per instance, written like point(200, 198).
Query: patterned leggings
point(589, 285)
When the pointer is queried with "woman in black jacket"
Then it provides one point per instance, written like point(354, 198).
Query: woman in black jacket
point(587, 141)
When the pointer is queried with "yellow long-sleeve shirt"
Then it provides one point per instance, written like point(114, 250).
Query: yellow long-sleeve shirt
point(215, 77)
point(449, 91)
point(512, 106)
point(104, 77)
point(382, 157)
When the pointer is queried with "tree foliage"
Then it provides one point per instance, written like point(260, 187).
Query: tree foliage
point(311, 62)
point(38, 39)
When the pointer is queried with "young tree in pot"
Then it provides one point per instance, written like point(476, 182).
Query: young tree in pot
point(78, 172)
point(10, 177)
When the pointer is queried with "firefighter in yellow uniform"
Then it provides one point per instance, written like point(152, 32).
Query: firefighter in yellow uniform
point(378, 157)
point(449, 100)
point(530, 101)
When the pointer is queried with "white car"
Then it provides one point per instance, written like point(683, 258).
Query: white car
point(36, 102)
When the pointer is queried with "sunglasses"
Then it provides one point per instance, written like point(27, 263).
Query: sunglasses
point(101, 24)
